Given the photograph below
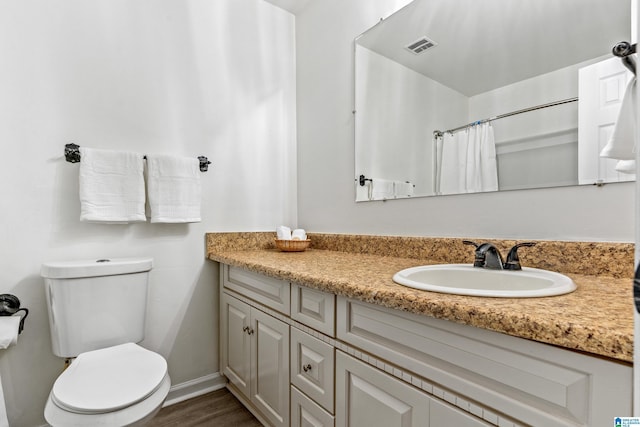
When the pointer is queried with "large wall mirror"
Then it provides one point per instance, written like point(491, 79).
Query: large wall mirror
point(534, 78)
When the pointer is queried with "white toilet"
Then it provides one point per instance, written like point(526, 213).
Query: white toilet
point(96, 314)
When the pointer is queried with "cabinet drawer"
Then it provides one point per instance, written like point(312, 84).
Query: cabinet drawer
point(306, 413)
point(274, 293)
point(314, 308)
point(312, 367)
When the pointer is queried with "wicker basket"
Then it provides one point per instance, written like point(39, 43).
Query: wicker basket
point(292, 245)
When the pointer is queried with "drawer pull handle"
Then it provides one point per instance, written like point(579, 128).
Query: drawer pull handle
point(306, 368)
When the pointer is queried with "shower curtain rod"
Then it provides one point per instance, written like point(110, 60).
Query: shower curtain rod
point(439, 133)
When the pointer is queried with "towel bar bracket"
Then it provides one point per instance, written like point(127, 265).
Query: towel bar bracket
point(204, 163)
point(72, 155)
point(624, 50)
point(362, 180)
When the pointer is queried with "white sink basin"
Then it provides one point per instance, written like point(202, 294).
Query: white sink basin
point(465, 279)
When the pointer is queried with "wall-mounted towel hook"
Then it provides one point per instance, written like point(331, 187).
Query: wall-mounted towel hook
point(72, 155)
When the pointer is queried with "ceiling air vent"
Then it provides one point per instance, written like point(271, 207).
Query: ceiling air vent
point(420, 45)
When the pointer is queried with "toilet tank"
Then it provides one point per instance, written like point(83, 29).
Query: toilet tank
point(96, 303)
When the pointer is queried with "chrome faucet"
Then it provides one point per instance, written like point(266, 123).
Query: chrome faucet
point(488, 256)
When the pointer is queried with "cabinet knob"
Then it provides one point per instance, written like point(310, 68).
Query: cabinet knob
point(245, 329)
point(306, 367)
point(250, 331)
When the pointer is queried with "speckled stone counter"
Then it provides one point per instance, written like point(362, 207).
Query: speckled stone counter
point(597, 318)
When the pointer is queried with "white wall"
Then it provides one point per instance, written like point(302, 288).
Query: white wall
point(325, 31)
point(395, 107)
point(195, 77)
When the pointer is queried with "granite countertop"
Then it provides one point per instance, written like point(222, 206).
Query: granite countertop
point(597, 318)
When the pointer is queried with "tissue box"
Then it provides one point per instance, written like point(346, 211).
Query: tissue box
point(292, 245)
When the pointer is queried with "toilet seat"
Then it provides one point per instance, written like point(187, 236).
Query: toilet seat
point(109, 379)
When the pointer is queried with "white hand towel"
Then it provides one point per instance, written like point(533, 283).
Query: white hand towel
point(453, 163)
point(283, 232)
point(488, 161)
point(174, 188)
point(403, 189)
point(381, 189)
point(621, 146)
point(9, 326)
point(299, 234)
point(111, 186)
point(626, 166)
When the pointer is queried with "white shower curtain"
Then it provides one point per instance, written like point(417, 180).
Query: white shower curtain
point(466, 161)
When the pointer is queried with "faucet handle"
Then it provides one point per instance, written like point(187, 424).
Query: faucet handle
point(478, 261)
point(513, 261)
point(469, 242)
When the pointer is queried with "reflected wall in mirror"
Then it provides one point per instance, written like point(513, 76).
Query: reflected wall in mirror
point(438, 65)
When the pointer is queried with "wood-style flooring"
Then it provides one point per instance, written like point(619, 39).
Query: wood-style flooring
point(219, 408)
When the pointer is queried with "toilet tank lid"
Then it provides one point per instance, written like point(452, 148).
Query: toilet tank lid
point(95, 267)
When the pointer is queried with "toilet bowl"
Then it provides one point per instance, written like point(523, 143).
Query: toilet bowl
point(122, 385)
point(96, 315)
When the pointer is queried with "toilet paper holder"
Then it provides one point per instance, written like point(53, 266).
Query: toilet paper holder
point(10, 305)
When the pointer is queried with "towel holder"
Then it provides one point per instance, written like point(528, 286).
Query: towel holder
point(10, 305)
point(362, 180)
point(624, 50)
point(72, 155)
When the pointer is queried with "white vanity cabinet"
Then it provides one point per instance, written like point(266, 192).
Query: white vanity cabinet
point(255, 358)
point(301, 357)
point(254, 345)
point(281, 372)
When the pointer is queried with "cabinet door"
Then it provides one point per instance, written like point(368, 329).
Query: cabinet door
point(236, 343)
point(307, 413)
point(270, 380)
point(367, 397)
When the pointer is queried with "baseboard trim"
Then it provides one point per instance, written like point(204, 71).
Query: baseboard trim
point(194, 388)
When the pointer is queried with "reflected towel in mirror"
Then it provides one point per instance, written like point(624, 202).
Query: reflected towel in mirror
point(403, 189)
point(621, 145)
point(381, 189)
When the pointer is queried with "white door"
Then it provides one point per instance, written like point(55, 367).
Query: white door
point(601, 90)
point(635, 22)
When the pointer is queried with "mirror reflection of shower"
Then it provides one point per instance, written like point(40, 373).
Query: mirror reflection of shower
point(402, 97)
